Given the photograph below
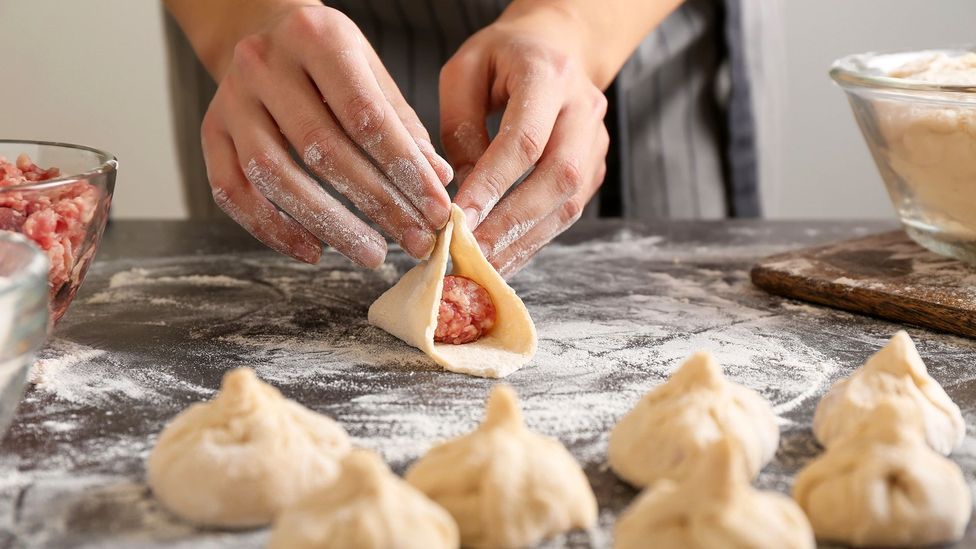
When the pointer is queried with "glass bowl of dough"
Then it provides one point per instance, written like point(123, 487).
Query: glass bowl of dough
point(917, 111)
point(23, 316)
point(58, 196)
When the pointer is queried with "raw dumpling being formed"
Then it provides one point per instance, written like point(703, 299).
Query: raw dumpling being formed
point(667, 431)
point(895, 371)
point(882, 485)
point(713, 508)
point(240, 458)
point(469, 322)
point(367, 507)
point(505, 485)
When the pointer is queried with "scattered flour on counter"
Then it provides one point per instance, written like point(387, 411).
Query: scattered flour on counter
point(58, 426)
point(76, 373)
point(615, 318)
point(60, 355)
point(144, 276)
point(126, 286)
point(80, 374)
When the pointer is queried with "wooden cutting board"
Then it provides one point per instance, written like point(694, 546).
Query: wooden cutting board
point(885, 275)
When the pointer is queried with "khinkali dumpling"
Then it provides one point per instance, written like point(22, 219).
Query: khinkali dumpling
point(664, 435)
point(240, 458)
point(505, 485)
point(367, 507)
point(895, 370)
point(882, 485)
point(713, 508)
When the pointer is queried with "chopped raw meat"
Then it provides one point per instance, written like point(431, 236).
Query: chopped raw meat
point(55, 219)
point(466, 312)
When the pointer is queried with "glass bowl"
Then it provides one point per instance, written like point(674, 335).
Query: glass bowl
point(922, 135)
point(63, 212)
point(23, 316)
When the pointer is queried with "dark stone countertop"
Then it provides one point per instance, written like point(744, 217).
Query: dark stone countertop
point(169, 306)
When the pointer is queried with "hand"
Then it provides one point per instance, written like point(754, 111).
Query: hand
point(310, 79)
point(531, 63)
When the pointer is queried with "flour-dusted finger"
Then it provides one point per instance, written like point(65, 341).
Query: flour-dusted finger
point(409, 118)
point(263, 157)
point(513, 258)
point(564, 169)
point(248, 207)
point(326, 150)
point(464, 90)
point(530, 115)
point(337, 63)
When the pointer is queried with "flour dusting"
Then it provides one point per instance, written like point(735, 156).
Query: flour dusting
point(615, 317)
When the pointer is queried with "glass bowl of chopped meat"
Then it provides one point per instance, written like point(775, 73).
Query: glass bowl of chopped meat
point(58, 196)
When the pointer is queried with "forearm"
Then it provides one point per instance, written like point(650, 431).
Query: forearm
point(215, 26)
point(612, 28)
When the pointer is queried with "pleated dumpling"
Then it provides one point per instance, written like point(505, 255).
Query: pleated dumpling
point(713, 508)
point(880, 484)
point(505, 485)
point(664, 435)
point(896, 370)
point(240, 458)
point(368, 507)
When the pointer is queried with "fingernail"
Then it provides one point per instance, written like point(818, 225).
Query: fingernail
point(308, 252)
point(473, 217)
point(372, 257)
point(418, 242)
point(444, 170)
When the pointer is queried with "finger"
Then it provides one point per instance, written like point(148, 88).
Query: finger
point(263, 159)
point(513, 258)
point(346, 81)
point(409, 118)
point(560, 174)
point(525, 129)
point(330, 154)
point(248, 207)
point(464, 99)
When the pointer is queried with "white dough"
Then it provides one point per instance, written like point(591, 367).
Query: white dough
point(408, 310)
point(240, 458)
point(928, 143)
point(665, 434)
point(505, 485)
point(881, 485)
point(367, 507)
point(895, 370)
point(713, 508)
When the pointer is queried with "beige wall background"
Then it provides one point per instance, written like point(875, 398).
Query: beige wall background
point(94, 72)
point(827, 170)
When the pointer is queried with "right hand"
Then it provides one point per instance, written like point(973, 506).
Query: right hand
point(309, 78)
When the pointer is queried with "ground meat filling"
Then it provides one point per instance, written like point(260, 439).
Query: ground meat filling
point(55, 219)
point(466, 312)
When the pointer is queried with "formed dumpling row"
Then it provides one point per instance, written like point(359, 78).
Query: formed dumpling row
point(883, 480)
point(251, 457)
point(696, 442)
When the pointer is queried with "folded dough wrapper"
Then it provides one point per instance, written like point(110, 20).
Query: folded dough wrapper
point(409, 309)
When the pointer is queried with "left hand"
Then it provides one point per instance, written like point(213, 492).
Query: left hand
point(532, 63)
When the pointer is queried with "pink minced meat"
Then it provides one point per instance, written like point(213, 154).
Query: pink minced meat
point(466, 312)
point(55, 219)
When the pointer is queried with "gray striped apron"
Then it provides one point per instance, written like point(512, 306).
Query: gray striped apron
point(680, 119)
